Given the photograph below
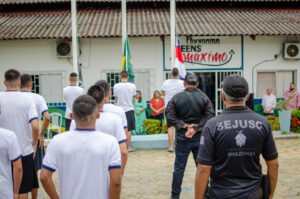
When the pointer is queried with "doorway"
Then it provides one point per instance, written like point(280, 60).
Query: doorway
point(210, 84)
point(207, 84)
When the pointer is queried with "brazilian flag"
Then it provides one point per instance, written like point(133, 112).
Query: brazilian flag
point(127, 61)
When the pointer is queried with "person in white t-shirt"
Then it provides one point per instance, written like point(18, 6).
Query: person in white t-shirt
point(268, 102)
point(124, 92)
point(10, 156)
point(70, 93)
point(88, 161)
point(170, 88)
point(17, 112)
point(108, 123)
point(42, 110)
point(107, 107)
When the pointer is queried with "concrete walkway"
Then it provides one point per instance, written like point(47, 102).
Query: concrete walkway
point(149, 174)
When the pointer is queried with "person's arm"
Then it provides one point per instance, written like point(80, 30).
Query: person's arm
point(207, 114)
point(47, 182)
point(14, 154)
point(171, 116)
point(115, 183)
point(152, 108)
point(286, 95)
point(144, 106)
point(272, 172)
point(35, 133)
point(201, 180)
point(17, 174)
point(263, 105)
point(298, 100)
point(115, 172)
point(205, 160)
point(124, 155)
point(46, 122)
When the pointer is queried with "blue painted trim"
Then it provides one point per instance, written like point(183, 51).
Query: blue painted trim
point(77, 129)
point(35, 118)
point(17, 158)
point(48, 168)
point(122, 141)
point(114, 167)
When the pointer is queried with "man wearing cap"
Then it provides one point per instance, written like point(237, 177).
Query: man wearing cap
point(187, 111)
point(230, 148)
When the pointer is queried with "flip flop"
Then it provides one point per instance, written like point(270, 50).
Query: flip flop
point(170, 150)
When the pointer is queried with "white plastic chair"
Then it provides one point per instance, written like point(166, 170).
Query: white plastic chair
point(55, 123)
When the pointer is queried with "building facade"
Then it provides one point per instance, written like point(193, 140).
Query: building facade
point(257, 39)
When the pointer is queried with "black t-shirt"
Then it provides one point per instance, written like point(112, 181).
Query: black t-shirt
point(232, 143)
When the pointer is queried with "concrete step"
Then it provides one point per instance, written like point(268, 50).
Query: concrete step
point(157, 141)
point(160, 141)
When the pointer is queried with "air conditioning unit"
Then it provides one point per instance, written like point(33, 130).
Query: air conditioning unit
point(63, 48)
point(291, 50)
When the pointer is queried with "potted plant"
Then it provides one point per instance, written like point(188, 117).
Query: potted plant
point(284, 116)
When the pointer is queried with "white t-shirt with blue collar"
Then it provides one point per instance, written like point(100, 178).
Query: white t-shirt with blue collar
point(83, 159)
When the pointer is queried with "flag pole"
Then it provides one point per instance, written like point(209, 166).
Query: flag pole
point(172, 32)
point(124, 23)
point(74, 36)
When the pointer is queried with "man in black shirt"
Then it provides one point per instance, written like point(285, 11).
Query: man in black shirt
point(230, 147)
point(187, 111)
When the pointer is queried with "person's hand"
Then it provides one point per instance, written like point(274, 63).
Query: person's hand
point(41, 139)
point(190, 131)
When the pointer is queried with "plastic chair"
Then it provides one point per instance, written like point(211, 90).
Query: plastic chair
point(55, 123)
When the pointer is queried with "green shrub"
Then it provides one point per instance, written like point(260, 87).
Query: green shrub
point(152, 126)
point(164, 127)
point(274, 122)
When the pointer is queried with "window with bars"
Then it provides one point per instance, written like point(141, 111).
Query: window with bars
point(49, 85)
point(35, 83)
point(112, 79)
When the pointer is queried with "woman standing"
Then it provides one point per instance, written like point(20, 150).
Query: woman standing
point(157, 104)
point(140, 106)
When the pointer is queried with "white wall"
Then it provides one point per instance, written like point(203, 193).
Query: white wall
point(257, 53)
point(97, 57)
point(104, 54)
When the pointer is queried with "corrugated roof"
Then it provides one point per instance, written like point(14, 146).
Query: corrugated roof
point(57, 1)
point(151, 22)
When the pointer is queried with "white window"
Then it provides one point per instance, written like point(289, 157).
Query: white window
point(277, 80)
point(49, 85)
point(141, 80)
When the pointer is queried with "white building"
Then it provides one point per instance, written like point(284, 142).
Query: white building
point(258, 39)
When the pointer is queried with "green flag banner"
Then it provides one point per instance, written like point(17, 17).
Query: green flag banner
point(127, 61)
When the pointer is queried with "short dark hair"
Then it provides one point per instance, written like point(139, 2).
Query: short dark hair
point(73, 74)
point(12, 75)
point(25, 80)
point(175, 72)
point(124, 74)
point(104, 85)
point(97, 93)
point(83, 107)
